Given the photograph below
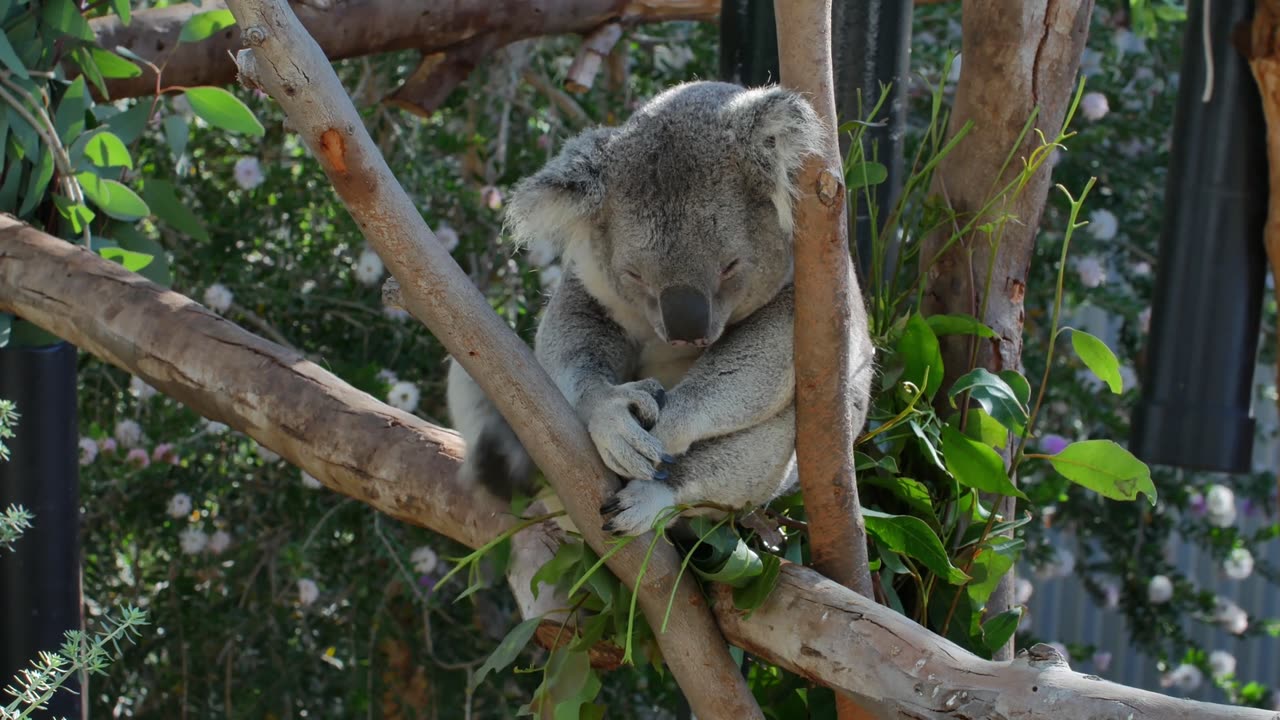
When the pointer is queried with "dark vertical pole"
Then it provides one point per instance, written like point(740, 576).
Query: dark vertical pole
point(1196, 409)
point(748, 42)
point(872, 49)
point(40, 578)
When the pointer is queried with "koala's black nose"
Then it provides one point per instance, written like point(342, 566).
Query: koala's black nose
point(685, 313)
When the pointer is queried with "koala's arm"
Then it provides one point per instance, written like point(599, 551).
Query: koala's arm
point(745, 378)
point(583, 350)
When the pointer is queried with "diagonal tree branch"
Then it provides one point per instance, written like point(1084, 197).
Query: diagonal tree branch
point(286, 62)
point(407, 468)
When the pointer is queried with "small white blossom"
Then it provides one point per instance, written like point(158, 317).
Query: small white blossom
point(395, 313)
point(310, 482)
point(128, 433)
point(138, 458)
point(221, 540)
point(1220, 503)
point(550, 277)
point(1222, 664)
point(193, 540)
point(404, 396)
point(672, 58)
point(1237, 622)
point(1239, 564)
point(424, 560)
point(387, 376)
point(248, 173)
point(267, 454)
point(954, 75)
point(308, 592)
point(369, 268)
point(1022, 589)
point(1103, 224)
point(218, 298)
point(1142, 268)
point(1094, 105)
point(88, 450)
point(447, 236)
point(1091, 272)
point(140, 389)
point(179, 506)
point(1159, 590)
point(1110, 596)
point(1185, 677)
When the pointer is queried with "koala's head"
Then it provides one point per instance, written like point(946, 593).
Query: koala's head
point(684, 213)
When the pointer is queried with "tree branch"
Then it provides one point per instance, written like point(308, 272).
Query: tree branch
point(286, 62)
point(406, 467)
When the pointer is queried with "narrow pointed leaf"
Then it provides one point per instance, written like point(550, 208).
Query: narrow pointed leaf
point(1106, 468)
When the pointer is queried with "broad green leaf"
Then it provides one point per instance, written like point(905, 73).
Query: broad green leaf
point(553, 572)
point(128, 125)
point(132, 261)
point(128, 236)
point(997, 631)
point(988, 566)
point(929, 440)
point(986, 429)
point(910, 536)
point(1098, 358)
point(737, 570)
point(64, 16)
point(975, 465)
point(221, 109)
point(912, 492)
point(77, 214)
point(865, 174)
point(9, 56)
point(753, 594)
point(69, 119)
point(103, 149)
point(508, 650)
point(24, 135)
point(921, 355)
point(38, 182)
point(9, 188)
point(959, 325)
point(994, 395)
point(1020, 386)
point(202, 25)
point(176, 132)
point(112, 65)
point(122, 10)
point(570, 683)
point(1106, 468)
point(89, 68)
point(112, 197)
point(162, 197)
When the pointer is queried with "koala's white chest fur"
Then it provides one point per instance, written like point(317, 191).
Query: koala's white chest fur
point(666, 364)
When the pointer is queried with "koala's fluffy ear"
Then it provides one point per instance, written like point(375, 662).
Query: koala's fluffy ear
point(778, 129)
point(554, 207)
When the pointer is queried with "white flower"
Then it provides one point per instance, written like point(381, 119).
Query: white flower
point(1159, 590)
point(387, 376)
point(395, 313)
point(1103, 224)
point(1144, 320)
point(1062, 565)
point(447, 236)
point(369, 268)
point(954, 75)
point(424, 560)
point(310, 482)
point(1185, 677)
point(1222, 663)
point(218, 298)
point(267, 454)
point(1142, 268)
point(1022, 589)
point(672, 59)
point(179, 506)
point(1236, 622)
point(220, 541)
point(307, 591)
point(88, 450)
point(1091, 272)
point(1094, 105)
point(1220, 503)
point(248, 173)
point(140, 389)
point(550, 277)
point(1239, 564)
point(404, 396)
point(213, 427)
point(1110, 596)
point(193, 540)
point(128, 433)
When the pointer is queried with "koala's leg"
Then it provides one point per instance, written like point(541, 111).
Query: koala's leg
point(495, 457)
point(739, 470)
point(588, 355)
point(743, 379)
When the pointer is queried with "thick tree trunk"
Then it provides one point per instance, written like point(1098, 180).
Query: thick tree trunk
point(287, 63)
point(1019, 56)
point(407, 468)
point(1263, 54)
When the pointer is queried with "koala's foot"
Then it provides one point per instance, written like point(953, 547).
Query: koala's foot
point(619, 421)
point(635, 508)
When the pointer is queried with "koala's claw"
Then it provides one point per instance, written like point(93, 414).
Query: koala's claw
point(636, 507)
point(660, 475)
point(619, 426)
point(668, 459)
point(609, 507)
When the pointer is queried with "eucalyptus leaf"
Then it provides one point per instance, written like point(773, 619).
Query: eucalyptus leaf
point(221, 109)
point(959, 324)
point(921, 355)
point(202, 25)
point(112, 65)
point(508, 650)
point(910, 536)
point(1106, 468)
point(754, 593)
point(162, 197)
point(114, 198)
point(994, 395)
point(9, 56)
point(975, 465)
point(65, 17)
point(1098, 358)
point(865, 174)
point(997, 631)
point(132, 261)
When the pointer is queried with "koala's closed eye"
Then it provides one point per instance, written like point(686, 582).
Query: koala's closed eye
point(730, 268)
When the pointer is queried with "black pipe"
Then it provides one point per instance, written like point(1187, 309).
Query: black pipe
point(1195, 411)
point(40, 594)
point(748, 42)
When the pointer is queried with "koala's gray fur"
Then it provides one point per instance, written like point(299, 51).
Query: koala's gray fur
point(671, 330)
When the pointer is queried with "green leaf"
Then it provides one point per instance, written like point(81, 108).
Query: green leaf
point(162, 197)
point(508, 650)
point(176, 132)
point(69, 119)
point(921, 355)
point(25, 136)
point(988, 566)
point(112, 65)
point(103, 149)
point(38, 182)
point(997, 631)
point(77, 214)
point(1020, 386)
point(1098, 358)
point(128, 125)
point(89, 68)
point(986, 429)
point(122, 10)
point(722, 556)
point(753, 594)
point(113, 197)
point(994, 395)
point(65, 17)
point(910, 536)
point(9, 188)
point(1106, 468)
point(975, 465)
point(128, 236)
point(9, 56)
point(221, 109)
point(912, 492)
point(555, 569)
point(959, 325)
point(202, 25)
point(132, 261)
point(865, 174)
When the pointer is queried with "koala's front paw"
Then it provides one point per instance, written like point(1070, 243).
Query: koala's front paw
point(619, 425)
point(635, 508)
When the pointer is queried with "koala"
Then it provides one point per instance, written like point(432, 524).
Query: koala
point(670, 332)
